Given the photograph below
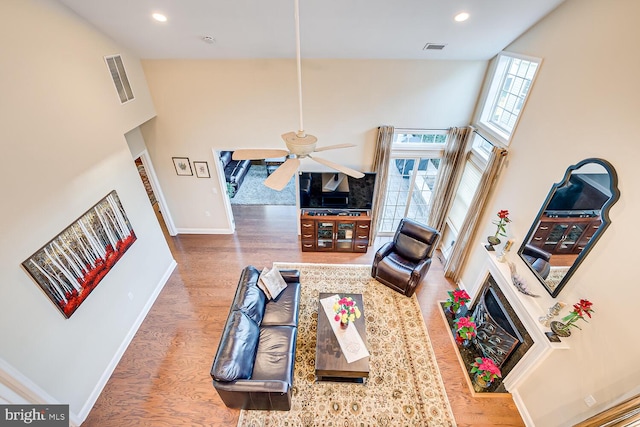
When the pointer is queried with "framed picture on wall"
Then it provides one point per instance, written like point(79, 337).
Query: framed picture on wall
point(182, 165)
point(202, 169)
point(70, 266)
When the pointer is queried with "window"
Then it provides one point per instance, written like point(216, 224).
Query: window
point(120, 79)
point(507, 93)
point(413, 169)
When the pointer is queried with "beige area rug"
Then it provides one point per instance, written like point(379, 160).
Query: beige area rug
point(404, 386)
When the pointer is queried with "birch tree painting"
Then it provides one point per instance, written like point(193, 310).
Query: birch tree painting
point(71, 265)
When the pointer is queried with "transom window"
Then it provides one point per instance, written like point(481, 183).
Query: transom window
point(507, 94)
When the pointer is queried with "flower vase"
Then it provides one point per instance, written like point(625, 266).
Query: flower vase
point(493, 240)
point(463, 342)
point(560, 329)
point(480, 384)
point(344, 325)
point(452, 314)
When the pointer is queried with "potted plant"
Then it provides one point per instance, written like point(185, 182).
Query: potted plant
point(485, 371)
point(465, 328)
point(580, 309)
point(503, 220)
point(457, 299)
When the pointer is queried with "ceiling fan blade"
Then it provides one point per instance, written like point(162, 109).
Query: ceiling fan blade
point(335, 147)
point(257, 154)
point(345, 170)
point(281, 177)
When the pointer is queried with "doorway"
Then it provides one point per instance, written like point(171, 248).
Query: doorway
point(151, 186)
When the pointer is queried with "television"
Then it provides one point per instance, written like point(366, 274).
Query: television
point(583, 196)
point(335, 190)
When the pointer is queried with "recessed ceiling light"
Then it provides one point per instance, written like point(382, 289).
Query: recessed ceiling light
point(462, 16)
point(159, 17)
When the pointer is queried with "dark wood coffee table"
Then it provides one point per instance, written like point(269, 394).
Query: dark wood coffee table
point(331, 364)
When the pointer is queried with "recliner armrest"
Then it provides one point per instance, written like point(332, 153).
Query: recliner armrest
point(384, 250)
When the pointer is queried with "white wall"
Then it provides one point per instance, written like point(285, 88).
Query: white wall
point(249, 103)
point(63, 148)
point(585, 103)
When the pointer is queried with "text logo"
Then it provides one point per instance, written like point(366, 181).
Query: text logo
point(34, 415)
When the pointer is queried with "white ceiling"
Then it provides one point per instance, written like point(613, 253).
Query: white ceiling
point(361, 29)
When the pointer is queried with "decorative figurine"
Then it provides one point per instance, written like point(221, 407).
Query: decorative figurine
point(505, 250)
point(553, 311)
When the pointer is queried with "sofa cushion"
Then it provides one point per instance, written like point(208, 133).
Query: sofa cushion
point(251, 302)
point(225, 157)
point(236, 353)
point(284, 309)
point(275, 355)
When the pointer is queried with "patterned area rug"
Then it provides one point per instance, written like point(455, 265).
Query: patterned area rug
point(404, 386)
point(555, 276)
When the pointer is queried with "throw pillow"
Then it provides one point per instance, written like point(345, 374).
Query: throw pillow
point(262, 285)
point(273, 281)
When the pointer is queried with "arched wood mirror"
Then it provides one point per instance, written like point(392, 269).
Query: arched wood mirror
point(570, 222)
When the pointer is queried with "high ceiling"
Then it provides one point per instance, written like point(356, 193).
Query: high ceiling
point(360, 29)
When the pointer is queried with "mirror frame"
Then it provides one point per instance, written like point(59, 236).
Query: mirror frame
point(604, 216)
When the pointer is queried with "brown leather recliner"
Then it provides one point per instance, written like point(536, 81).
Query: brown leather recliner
point(402, 263)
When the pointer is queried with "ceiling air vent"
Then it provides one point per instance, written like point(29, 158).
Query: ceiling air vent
point(434, 46)
point(119, 76)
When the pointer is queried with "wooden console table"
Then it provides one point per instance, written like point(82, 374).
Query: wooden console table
point(335, 230)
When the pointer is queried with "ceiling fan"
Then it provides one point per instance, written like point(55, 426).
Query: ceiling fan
point(299, 144)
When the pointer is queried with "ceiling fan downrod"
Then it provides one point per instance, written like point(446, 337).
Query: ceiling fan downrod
point(300, 133)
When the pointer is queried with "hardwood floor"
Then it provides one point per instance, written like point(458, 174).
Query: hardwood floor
point(163, 378)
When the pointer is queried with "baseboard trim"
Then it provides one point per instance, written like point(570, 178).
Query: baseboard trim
point(93, 397)
point(204, 231)
point(522, 408)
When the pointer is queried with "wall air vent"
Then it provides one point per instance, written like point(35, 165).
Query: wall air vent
point(434, 46)
point(119, 76)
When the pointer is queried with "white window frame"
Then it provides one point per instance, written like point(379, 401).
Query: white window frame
point(490, 97)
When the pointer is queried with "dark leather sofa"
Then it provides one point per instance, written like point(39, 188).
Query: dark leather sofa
point(234, 171)
point(253, 366)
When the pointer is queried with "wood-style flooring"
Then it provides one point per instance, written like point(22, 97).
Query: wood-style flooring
point(163, 378)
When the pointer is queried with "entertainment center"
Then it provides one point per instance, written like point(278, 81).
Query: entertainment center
point(335, 230)
point(335, 211)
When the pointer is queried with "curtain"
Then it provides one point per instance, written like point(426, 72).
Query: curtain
point(451, 166)
point(455, 263)
point(381, 160)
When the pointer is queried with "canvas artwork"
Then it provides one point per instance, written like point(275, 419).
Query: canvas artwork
point(72, 264)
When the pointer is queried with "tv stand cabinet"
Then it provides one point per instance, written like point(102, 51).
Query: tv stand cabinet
point(335, 230)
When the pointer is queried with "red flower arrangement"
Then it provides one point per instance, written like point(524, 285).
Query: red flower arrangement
point(486, 369)
point(503, 216)
point(580, 309)
point(457, 298)
point(465, 328)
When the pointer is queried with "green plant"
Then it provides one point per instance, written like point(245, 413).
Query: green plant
point(465, 328)
point(580, 309)
point(457, 298)
point(503, 216)
point(486, 369)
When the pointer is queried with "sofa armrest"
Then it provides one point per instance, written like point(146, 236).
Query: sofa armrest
point(253, 386)
point(290, 276)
